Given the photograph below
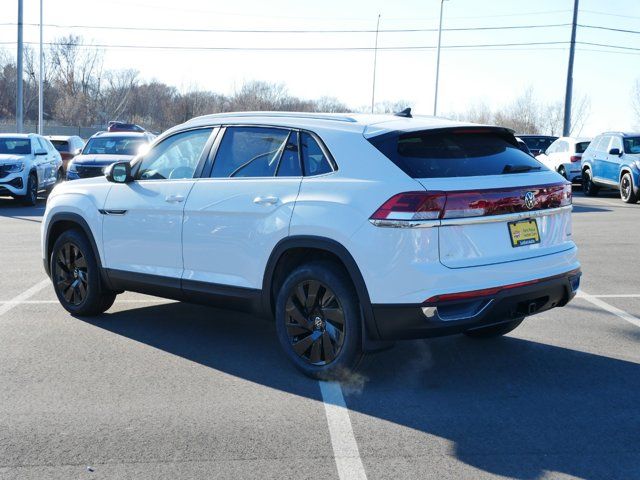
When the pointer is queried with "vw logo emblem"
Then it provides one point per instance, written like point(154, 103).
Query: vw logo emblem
point(529, 200)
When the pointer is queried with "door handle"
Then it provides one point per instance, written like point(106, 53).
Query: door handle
point(174, 198)
point(269, 200)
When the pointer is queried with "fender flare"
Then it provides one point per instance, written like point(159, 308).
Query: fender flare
point(84, 226)
point(331, 246)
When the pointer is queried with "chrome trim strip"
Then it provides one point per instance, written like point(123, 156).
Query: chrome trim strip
point(452, 222)
point(507, 217)
point(405, 223)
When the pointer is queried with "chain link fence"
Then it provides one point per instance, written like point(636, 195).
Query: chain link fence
point(52, 129)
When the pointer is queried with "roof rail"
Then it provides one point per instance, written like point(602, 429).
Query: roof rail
point(310, 115)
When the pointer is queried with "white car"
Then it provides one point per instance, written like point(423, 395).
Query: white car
point(350, 231)
point(29, 164)
point(564, 157)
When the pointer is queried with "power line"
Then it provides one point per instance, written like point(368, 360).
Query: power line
point(611, 29)
point(225, 30)
point(287, 49)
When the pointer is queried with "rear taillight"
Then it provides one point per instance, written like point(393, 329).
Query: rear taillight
point(413, 206)
point(575, 158)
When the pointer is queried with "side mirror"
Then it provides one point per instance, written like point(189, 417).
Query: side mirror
point(119, 172)
point(615, 151)
point(39, 151)
point(77, 151)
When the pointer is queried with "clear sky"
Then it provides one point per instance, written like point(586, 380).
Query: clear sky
point(493, 75)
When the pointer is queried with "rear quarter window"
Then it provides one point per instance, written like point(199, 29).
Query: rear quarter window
point(454, 153)
point(581, 147)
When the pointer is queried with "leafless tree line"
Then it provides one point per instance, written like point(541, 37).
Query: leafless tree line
point(527, 114)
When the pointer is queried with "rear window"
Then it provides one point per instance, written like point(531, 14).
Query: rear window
point(538, 143)
point(581, 147)
point(438, 154)
point(61, 145)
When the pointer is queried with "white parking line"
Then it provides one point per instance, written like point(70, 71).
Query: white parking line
point(24, 296)
point(622, 295)
point(610, 308)
point(345, 448)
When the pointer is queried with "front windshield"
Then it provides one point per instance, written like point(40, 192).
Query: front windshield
point(15, 146)
point(632, 145)
point(114, 146)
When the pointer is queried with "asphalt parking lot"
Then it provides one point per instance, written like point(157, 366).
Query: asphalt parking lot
point(157, 389)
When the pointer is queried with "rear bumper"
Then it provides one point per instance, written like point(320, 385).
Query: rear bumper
point(406, 321)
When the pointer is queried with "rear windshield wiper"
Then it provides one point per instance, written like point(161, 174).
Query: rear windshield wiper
point(519, 168)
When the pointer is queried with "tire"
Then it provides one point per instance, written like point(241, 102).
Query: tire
point(588, 187)
point(76, 276)
point(493, 331)
point(318, 321)
point(30, 198)
point(563, 172)
point(627, 192)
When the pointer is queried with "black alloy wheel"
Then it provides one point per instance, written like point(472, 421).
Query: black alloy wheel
point(70, 274)
point(588, 187)
point(626, 189)
point(315, 322)
point(30, 198)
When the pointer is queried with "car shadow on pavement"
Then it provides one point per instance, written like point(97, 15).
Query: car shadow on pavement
point(509, 406)
point(11, 208)
point(589, 209)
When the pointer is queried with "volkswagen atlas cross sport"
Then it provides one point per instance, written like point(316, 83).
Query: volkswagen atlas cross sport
point(349, 231)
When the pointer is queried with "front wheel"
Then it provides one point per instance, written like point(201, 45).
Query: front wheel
point(30, 198)
point(76, 276)
point(493, 331)
point(627, 193)
point(588, 187)
point(318, 320)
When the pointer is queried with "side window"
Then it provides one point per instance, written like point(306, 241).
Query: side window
point(603, 145)
point(615, 143)
point(176, 157)
point(553, 148)
point(249, 152)
point(37, 144)
point(313, 158)
point(50, 146)
point(290, 161)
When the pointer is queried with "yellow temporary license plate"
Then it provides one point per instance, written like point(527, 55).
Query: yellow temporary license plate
point(524, 232)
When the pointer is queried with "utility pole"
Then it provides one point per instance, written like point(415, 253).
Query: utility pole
point(566, 129)
point(375, 61)
point(435, 98)
point(40, 81)
point(19, 93)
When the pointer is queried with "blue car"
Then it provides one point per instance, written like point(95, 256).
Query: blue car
point(612, 160)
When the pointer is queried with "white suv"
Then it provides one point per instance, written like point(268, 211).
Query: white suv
point(29, 164)
point(350, 231)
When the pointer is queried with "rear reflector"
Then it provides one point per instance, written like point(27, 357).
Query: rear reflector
point(412, 206)
point(573, 277)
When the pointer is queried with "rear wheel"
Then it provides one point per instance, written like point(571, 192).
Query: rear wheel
point(76, 276)
point(563, 172)
point(588, 187)
point(318, 320)
point(494, 330)
point(627, 193)
point(31, 197)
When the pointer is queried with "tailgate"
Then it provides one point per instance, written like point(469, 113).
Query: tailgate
point(516, 217)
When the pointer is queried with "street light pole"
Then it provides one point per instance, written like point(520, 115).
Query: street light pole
point(435, 98)
point(19, 92)
point(375, 61)
point(40, 81)
point(566, 128)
